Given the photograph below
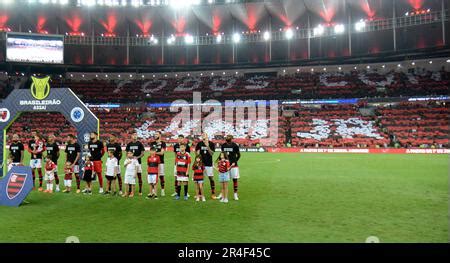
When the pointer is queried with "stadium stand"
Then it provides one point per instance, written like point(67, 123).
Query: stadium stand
point(354, 84)
point(403, 125)
point(336, 126)
point(357, 125)
point(46, 123)
point(416, 125)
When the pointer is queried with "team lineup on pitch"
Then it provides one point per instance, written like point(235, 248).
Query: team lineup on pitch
point(93, 169)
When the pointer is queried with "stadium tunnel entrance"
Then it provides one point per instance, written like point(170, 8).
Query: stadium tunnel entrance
point(41, 99)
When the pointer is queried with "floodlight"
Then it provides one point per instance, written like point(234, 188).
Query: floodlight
point(188, 39)
point(289, 34)
point(236, 38)
point(171, 40)
point(360, 26)
point(318, 30)
point(266, 35)
point(339, 29)
point(153, 40)
point(219, 38)
point(178, 4)
point(136, 3)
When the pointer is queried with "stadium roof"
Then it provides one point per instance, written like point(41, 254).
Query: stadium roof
point(202, 17)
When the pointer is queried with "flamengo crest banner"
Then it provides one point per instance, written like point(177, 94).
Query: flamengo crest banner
point(16, 186)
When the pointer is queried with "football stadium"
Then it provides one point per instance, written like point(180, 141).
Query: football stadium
point(224, 121)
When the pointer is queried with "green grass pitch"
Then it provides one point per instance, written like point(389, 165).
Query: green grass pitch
point(283, 198)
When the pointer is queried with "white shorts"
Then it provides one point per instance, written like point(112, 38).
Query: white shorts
point(67, 183)
point(35, 163)
point(130, 179)
point(234, 173)
point(152, 178)
point(49, 176)
point(161, 169)
point(139, 168)
point(182, 178)
point(208, 171)
point(76, 169)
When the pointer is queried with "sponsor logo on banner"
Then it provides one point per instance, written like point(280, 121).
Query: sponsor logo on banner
point(40, 88)
point(86, 137)
point(15, 185)
point(77, 114)
point(247, 149)
point(252, 149)
point(334, 150)
point(359, 150)
point(426, 151)
point(4, 115)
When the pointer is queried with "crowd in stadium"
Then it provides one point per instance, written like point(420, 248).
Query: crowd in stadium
point(356, 84)
point(405, 125)
point(353, 84)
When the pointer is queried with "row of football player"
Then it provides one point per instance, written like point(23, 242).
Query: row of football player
point(226, 164)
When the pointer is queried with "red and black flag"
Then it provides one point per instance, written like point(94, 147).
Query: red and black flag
point(15, 184)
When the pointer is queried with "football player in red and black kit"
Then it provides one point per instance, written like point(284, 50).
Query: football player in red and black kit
point(232, 149)
point(52, 149)
point(36, 146)
point(198, 169)
point(97, 149)
point(153, 162)
point(176, 149)
point(138, 150)
point(160, 147)
point(73, 152)
point(114, 146)
point(183, 162)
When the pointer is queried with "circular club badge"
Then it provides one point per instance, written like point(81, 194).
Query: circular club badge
point(86, 137)
point(77, 114)
point(4, 115)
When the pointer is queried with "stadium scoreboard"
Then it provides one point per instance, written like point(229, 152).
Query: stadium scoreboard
point(34, 48)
